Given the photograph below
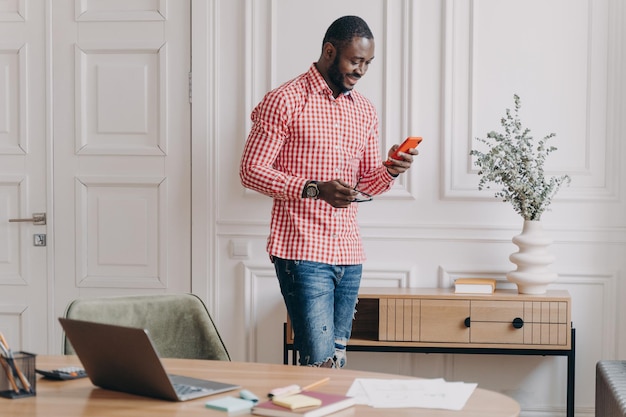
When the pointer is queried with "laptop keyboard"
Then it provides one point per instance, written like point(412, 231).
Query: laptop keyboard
point(183, 389)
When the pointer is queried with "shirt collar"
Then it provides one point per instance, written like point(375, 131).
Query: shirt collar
point(318, 83)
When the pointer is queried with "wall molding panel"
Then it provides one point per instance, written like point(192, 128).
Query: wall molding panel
point(13, 11)
point(13, 98)
point(402, 275)
point(13, 204)
point(121, 118)
point(106, 262)
point(128, 10)
point(13, 322)
point(255, 279)
point(473, 69)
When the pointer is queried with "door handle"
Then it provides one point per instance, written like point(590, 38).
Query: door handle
point(38, 219)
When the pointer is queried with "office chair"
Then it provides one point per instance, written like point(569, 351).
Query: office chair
point(179, 325)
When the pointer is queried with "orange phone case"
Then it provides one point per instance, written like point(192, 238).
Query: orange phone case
point(409, 143)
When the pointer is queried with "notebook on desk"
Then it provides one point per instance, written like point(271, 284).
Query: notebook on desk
point(124, 359)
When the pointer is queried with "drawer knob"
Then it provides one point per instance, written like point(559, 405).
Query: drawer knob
point(467, 322)
point(518, 323)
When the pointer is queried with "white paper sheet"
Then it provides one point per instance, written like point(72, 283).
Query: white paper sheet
point(406, 393)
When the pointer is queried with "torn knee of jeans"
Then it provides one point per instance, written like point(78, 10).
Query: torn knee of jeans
point(341, 344)
point(340, 357)
point(328, 363)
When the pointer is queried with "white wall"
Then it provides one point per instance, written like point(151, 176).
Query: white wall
point(445, 70)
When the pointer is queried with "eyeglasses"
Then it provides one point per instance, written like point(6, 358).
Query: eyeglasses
point(361, 197)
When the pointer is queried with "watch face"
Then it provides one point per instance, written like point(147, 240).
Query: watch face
point(312, 190)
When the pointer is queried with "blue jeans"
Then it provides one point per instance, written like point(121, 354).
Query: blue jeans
point(320, 301)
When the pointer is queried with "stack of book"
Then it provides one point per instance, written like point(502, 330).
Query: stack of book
point(475, 285)
point(304, 404)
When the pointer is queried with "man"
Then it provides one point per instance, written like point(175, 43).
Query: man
point(313, 148)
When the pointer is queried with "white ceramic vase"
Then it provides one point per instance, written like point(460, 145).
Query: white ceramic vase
point(532, 275)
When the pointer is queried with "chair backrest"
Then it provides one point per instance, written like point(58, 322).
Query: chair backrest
point(179, 324)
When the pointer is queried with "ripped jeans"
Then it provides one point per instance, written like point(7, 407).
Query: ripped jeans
point(320, 300)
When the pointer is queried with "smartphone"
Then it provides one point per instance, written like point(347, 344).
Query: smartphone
point(409, 143)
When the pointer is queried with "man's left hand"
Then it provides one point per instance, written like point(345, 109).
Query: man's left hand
point(398, 166)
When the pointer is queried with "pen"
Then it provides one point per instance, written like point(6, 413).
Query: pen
point(295, 389)
point(283, 391)
point(316, 384)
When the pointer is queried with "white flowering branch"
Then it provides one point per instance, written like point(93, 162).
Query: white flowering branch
point(515, 163)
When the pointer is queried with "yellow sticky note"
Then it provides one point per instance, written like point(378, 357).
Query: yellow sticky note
point(297, 401)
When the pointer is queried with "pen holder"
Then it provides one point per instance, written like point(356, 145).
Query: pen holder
point(23, 363)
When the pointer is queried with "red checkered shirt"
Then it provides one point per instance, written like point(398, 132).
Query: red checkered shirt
point(300, 132)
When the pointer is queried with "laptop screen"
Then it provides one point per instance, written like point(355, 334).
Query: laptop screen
point(124, 359)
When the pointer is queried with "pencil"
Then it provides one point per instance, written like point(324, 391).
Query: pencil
point(5, 349)
point(23, 380)
point(316, 384)
point(9, 372)
point(10, 360)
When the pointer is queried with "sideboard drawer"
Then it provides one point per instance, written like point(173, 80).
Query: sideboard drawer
point(494, 332)
point(444, 321)
point(498, 311)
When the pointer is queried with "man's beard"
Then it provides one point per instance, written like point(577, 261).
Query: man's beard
point(336, 77)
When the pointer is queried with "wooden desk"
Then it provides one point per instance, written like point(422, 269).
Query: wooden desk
point(436, 320)
point(80, 398)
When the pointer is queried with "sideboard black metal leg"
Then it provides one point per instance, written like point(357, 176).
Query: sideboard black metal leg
point(571, 370)
point(285, 349)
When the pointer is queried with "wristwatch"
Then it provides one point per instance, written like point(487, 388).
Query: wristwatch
point(311, 190)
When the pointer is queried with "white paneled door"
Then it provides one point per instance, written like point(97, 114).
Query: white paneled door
point(23, 167)
point(94, 131)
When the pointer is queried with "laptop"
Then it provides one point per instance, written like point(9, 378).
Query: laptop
point(125, 359)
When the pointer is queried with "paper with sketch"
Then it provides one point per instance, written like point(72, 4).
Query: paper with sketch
point(421, 393)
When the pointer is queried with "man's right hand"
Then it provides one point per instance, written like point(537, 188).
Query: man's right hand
point(336, 193)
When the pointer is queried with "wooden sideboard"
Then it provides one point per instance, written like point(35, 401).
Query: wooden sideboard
point(436, 320)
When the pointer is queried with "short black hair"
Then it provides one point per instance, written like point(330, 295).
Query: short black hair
point(344, 29)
